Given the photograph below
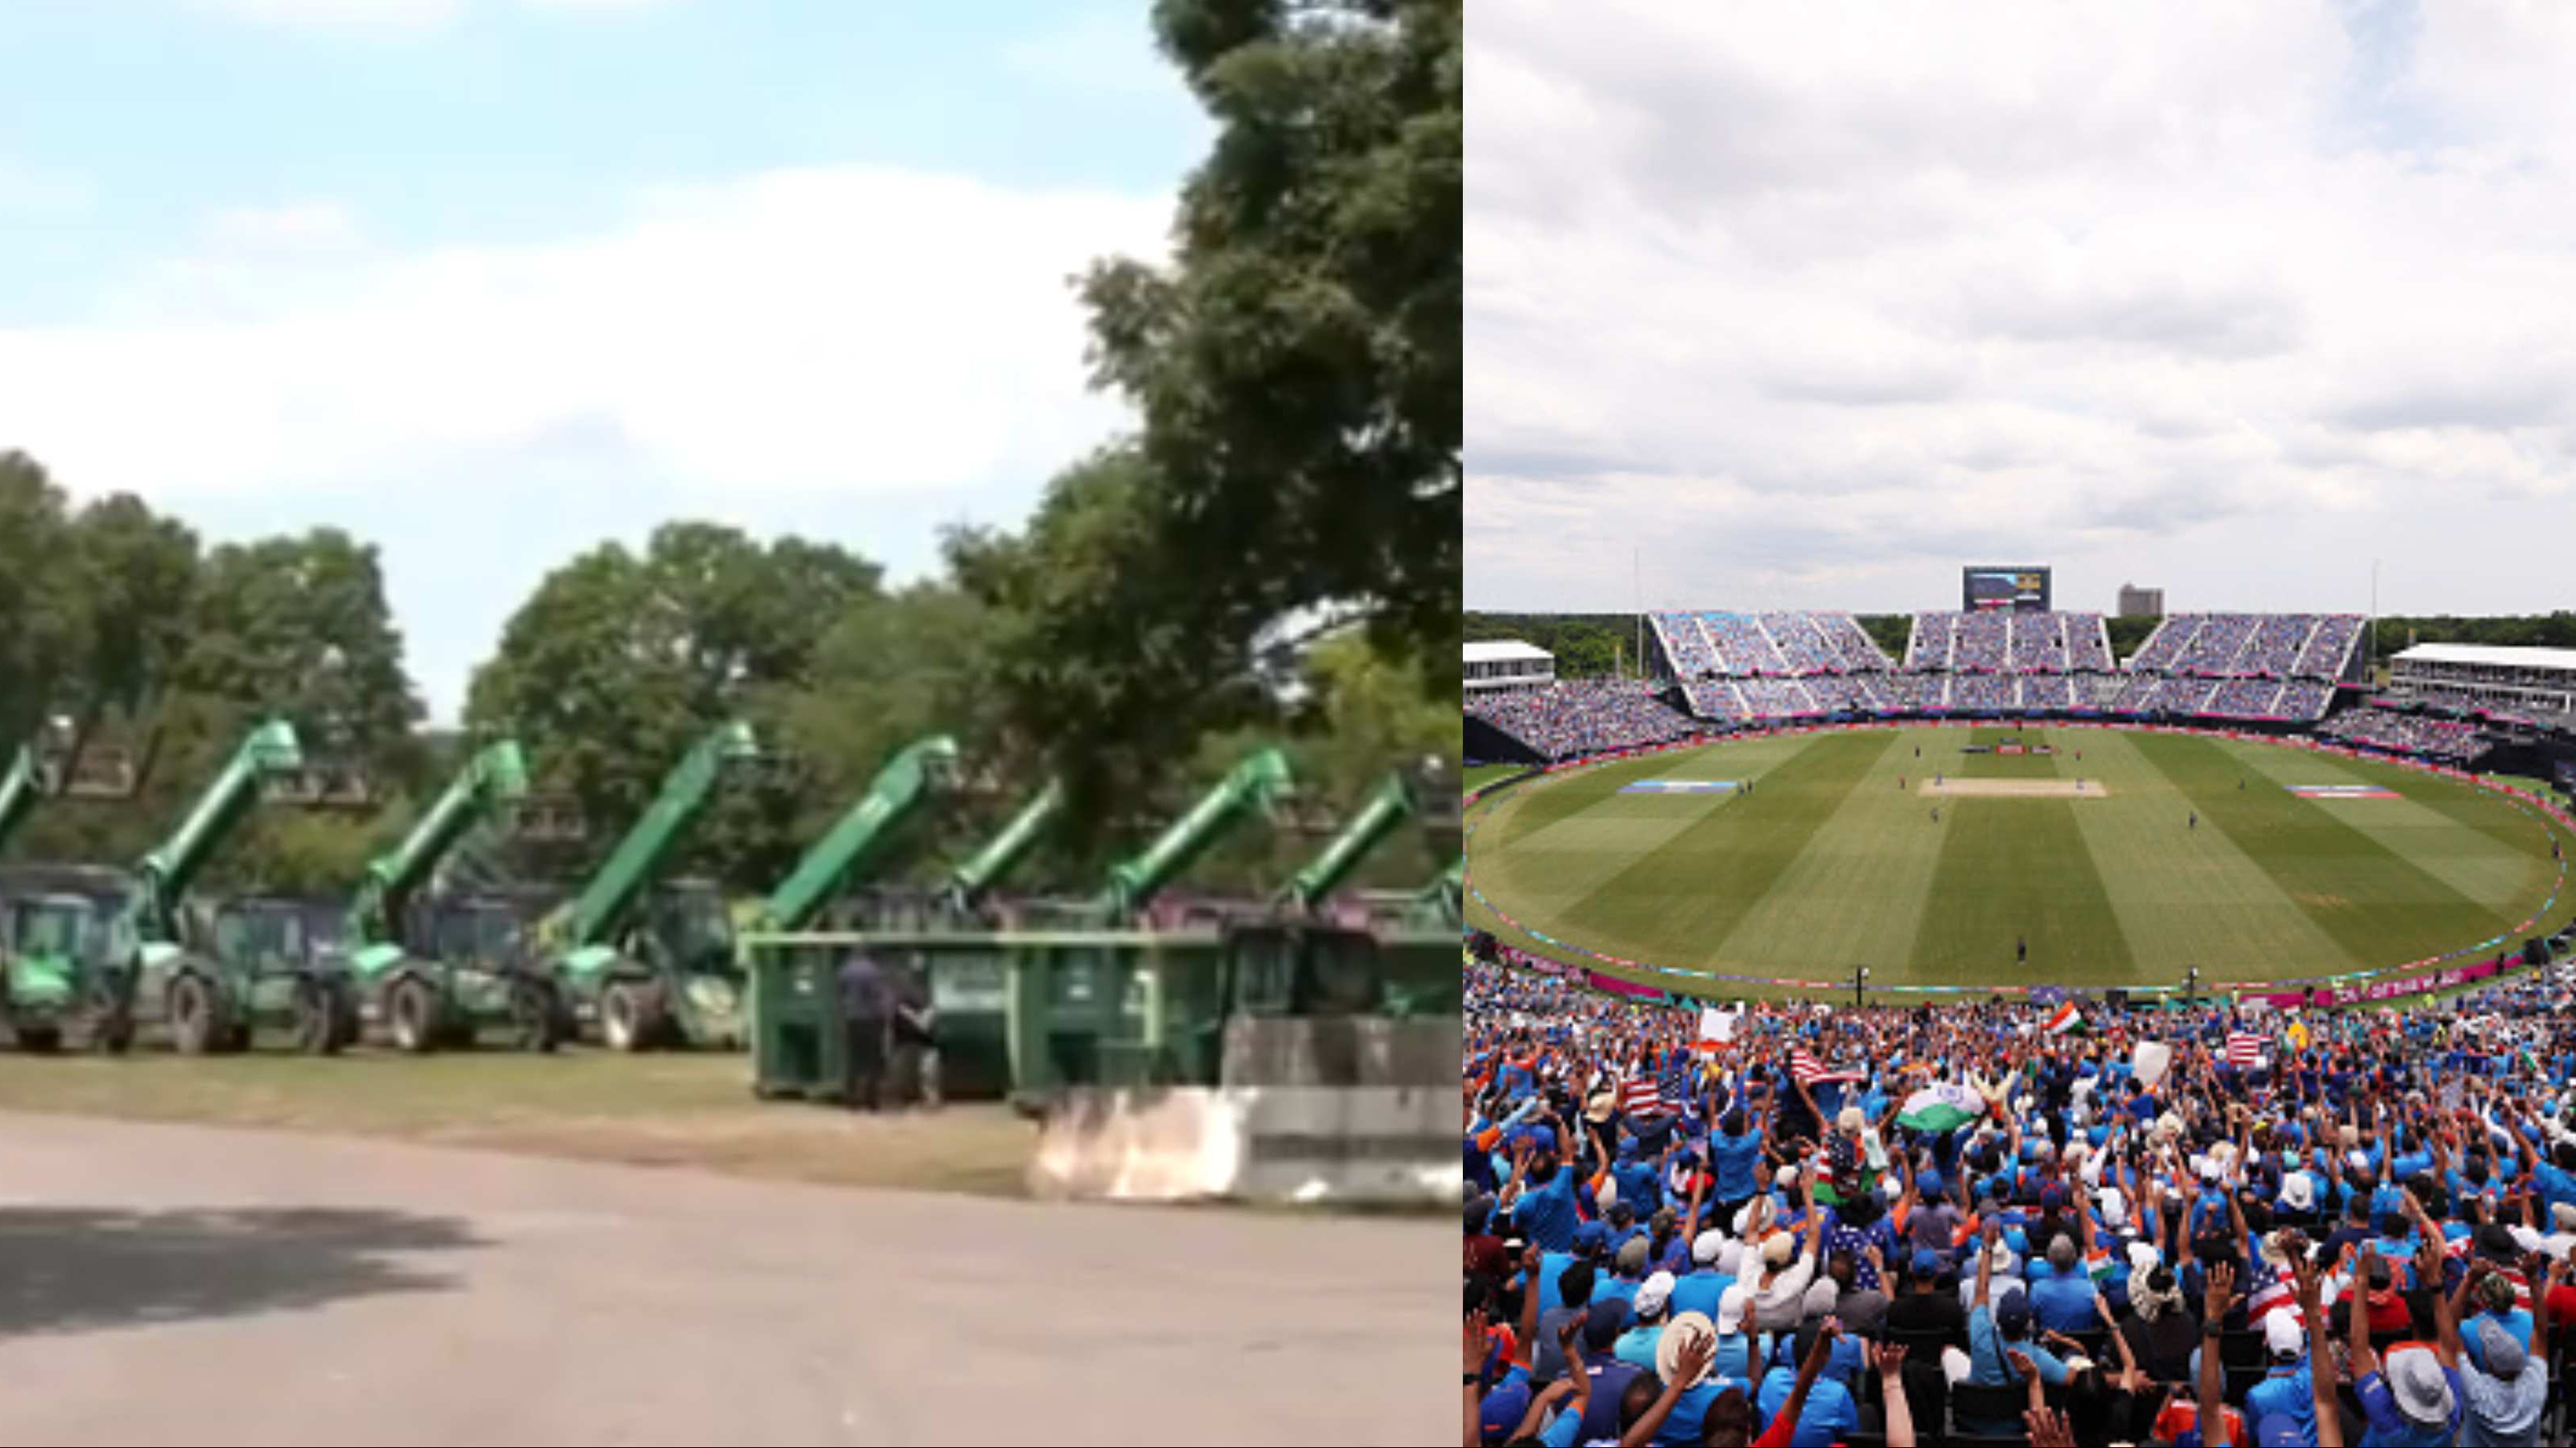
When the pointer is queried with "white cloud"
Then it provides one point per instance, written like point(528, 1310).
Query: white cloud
point(827, 331)
point(1811, 301)
point(297, 228)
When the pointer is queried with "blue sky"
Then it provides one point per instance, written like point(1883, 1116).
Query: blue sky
point(491, 280)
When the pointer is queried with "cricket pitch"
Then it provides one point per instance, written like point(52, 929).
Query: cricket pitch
point(2020, 788)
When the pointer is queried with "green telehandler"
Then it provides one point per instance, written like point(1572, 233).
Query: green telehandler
point(647, 976)
point(432, 968)
point(114, 951)
point(684, 983)
point(1388, 805)
point(970, 884)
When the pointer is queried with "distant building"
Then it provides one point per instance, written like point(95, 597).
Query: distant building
point(2516, 682)
point(1500, 664)
point(2136, 602)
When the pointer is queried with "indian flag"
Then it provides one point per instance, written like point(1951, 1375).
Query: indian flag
point(2067, 1018)
point(1943, 1106)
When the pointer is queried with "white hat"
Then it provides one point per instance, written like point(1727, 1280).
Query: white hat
point(1777, 1249)
point(1787, 1176)
point(2115, 1208)
point(1730, 1309)
point(1850, 1119)
point(1704, 1246)
point(2299, 1192)
point(1730, 1258)
point(1676, 1334)
point(2563, 1216)
point(1652, 1296)
point(2004, 1260)
point(2282, 1334)
point(2143, 1258)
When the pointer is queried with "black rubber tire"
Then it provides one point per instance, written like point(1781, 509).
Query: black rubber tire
point(317, 1016)
point(411, 1016)
point(346, 1027)
point(533, 1017)
point(39, 1040)
point(630, 1016)
point(194, 1029)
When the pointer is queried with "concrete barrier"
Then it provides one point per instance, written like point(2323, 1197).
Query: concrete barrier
point(1310, 1110)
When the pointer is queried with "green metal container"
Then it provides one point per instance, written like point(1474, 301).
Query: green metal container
point(1027, 1013)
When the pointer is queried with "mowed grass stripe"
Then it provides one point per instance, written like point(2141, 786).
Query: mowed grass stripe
point(1550, 857)
point(1587, 832)
point(1854, 894)
point(2500, 869)
point(1676, 905)
point(2380, 906)
point(2184, 896)
point(2017, 869)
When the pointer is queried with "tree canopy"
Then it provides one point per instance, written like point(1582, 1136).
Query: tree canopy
point(1296, 370)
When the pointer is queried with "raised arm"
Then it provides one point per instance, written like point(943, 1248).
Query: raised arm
point(2213, 1377)
point(1692, 1360)
point(2321, 1380)
point(2552, 1272)
point(2446, 1306)
point(1475, 1364)
point(2363, 1361)
point(1986, 1259)
point(1530, 1260)
point(1820, 1352)
point(1889, 1359)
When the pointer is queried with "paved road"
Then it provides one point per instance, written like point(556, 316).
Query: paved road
point(163, 1283)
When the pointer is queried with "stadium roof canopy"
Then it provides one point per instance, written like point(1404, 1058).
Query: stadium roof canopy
point(1508, 651)
point(2500, 656)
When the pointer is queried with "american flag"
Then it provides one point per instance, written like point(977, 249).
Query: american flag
point(1808, 1070)
point(1641, 1094)
point(2276, 1291)
point(1676, 1082)
point(2245, 1048)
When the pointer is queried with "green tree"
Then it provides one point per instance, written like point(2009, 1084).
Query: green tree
point(1098, 649)
point(43, 612)
point(1297, 370)
point(618, 663)
point(299, 626)
point(893, 670)
point(139, 579)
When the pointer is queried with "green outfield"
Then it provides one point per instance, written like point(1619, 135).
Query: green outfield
point(1480, 775)
point(1846, 852)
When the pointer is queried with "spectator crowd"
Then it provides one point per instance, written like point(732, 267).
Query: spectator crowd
point(1572, 718)
point(2444, 741)
point(1789, 1224)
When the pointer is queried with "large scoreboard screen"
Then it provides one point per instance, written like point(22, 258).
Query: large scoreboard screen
point(2024, 589)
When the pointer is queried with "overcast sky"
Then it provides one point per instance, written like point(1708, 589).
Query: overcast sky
point(1813, 303)
point(489, 281)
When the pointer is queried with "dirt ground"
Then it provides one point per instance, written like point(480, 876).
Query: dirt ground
point(2021, 788)
point(164, 1282)
point(652, 1110)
